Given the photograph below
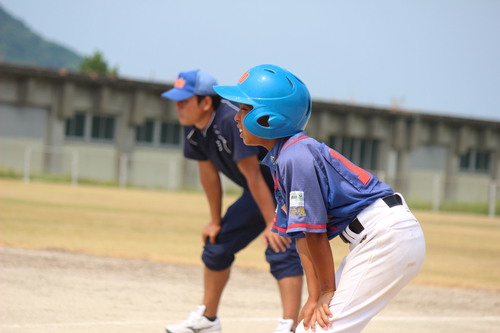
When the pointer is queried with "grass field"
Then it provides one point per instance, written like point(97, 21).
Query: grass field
point(462, 250)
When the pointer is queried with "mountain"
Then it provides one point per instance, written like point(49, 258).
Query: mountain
point(20, 45)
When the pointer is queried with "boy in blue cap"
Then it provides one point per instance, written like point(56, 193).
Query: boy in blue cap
point(320, 195)
point(212, 139)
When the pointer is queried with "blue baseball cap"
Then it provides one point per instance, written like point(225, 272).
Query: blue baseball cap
point(192, 83)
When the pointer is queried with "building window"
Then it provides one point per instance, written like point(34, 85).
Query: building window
point(103, 128)
point(144, 133)
point(475, 161)
point(170, 133)
point(362, 152)
point(88, 127)
point(75, 126)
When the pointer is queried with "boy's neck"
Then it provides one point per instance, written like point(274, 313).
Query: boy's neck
point(269, 143)
point(204, 122)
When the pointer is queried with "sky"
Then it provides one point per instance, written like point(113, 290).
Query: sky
point(430, 56)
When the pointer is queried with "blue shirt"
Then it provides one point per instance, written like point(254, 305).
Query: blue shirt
point(220, 143)
point(316, 188)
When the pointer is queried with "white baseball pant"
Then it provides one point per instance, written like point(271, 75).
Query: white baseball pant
point(383, 258)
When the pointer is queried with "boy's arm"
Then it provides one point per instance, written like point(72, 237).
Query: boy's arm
point(250, 168)
point(312, 282)
point(322, 259)
point(210, 180)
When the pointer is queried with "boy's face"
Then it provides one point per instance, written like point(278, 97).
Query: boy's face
point(248, 138)
point(190, 112)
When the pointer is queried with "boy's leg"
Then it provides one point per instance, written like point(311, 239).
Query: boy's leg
point(241, 224)
point(290, 290)
point(214, 283)
point(287, 270)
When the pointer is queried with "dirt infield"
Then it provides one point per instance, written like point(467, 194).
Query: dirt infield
point(52, 291)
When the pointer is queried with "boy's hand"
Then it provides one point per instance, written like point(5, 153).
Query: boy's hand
point(322, 313)
point(210, 232)
point(276, 242)
point(307, 312)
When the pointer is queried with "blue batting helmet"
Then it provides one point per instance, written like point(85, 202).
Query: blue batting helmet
point(274, 93)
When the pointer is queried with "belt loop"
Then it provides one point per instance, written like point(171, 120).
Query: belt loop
point(341, 235)
point(393, 200)
point(355, 228)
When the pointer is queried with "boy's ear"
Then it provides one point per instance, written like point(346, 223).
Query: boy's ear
point(207, 103)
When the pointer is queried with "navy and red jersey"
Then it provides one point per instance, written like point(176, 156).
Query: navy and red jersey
point(220, 143)
point(316, 188)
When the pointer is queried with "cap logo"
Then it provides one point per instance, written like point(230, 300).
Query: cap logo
point(179, 83)
point(244, 77)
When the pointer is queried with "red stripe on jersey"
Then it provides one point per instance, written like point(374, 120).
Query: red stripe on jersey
point(276, 184)
point(275, 178)
point(308, 226)
point(291, 143)
point(363, 176)
point(298, 225)
point(279, 229)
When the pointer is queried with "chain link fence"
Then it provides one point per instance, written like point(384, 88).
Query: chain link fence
point(170, 171)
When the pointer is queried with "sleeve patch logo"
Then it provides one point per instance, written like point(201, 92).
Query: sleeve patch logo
point(297, 199)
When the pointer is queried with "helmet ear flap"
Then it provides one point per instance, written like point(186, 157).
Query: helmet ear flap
point(256, 122)
point(277, 121)
point(265, 124)
point(263, 121)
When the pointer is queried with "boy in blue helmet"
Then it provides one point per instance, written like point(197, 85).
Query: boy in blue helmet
point(212, 139)
point(320, 195)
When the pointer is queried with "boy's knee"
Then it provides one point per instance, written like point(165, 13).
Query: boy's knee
point(284, 264)
point(216, 257)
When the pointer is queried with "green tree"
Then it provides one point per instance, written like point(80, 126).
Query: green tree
point(96, 64)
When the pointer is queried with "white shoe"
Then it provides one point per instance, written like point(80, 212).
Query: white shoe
point(284, 326)
point(196, 323)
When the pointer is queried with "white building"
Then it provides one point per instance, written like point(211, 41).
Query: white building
point(116, 130)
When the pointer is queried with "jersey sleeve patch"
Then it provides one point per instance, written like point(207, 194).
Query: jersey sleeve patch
point(297, 207)
point(296, 199)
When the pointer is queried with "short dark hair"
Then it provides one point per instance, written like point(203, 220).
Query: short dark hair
point(215, 99)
